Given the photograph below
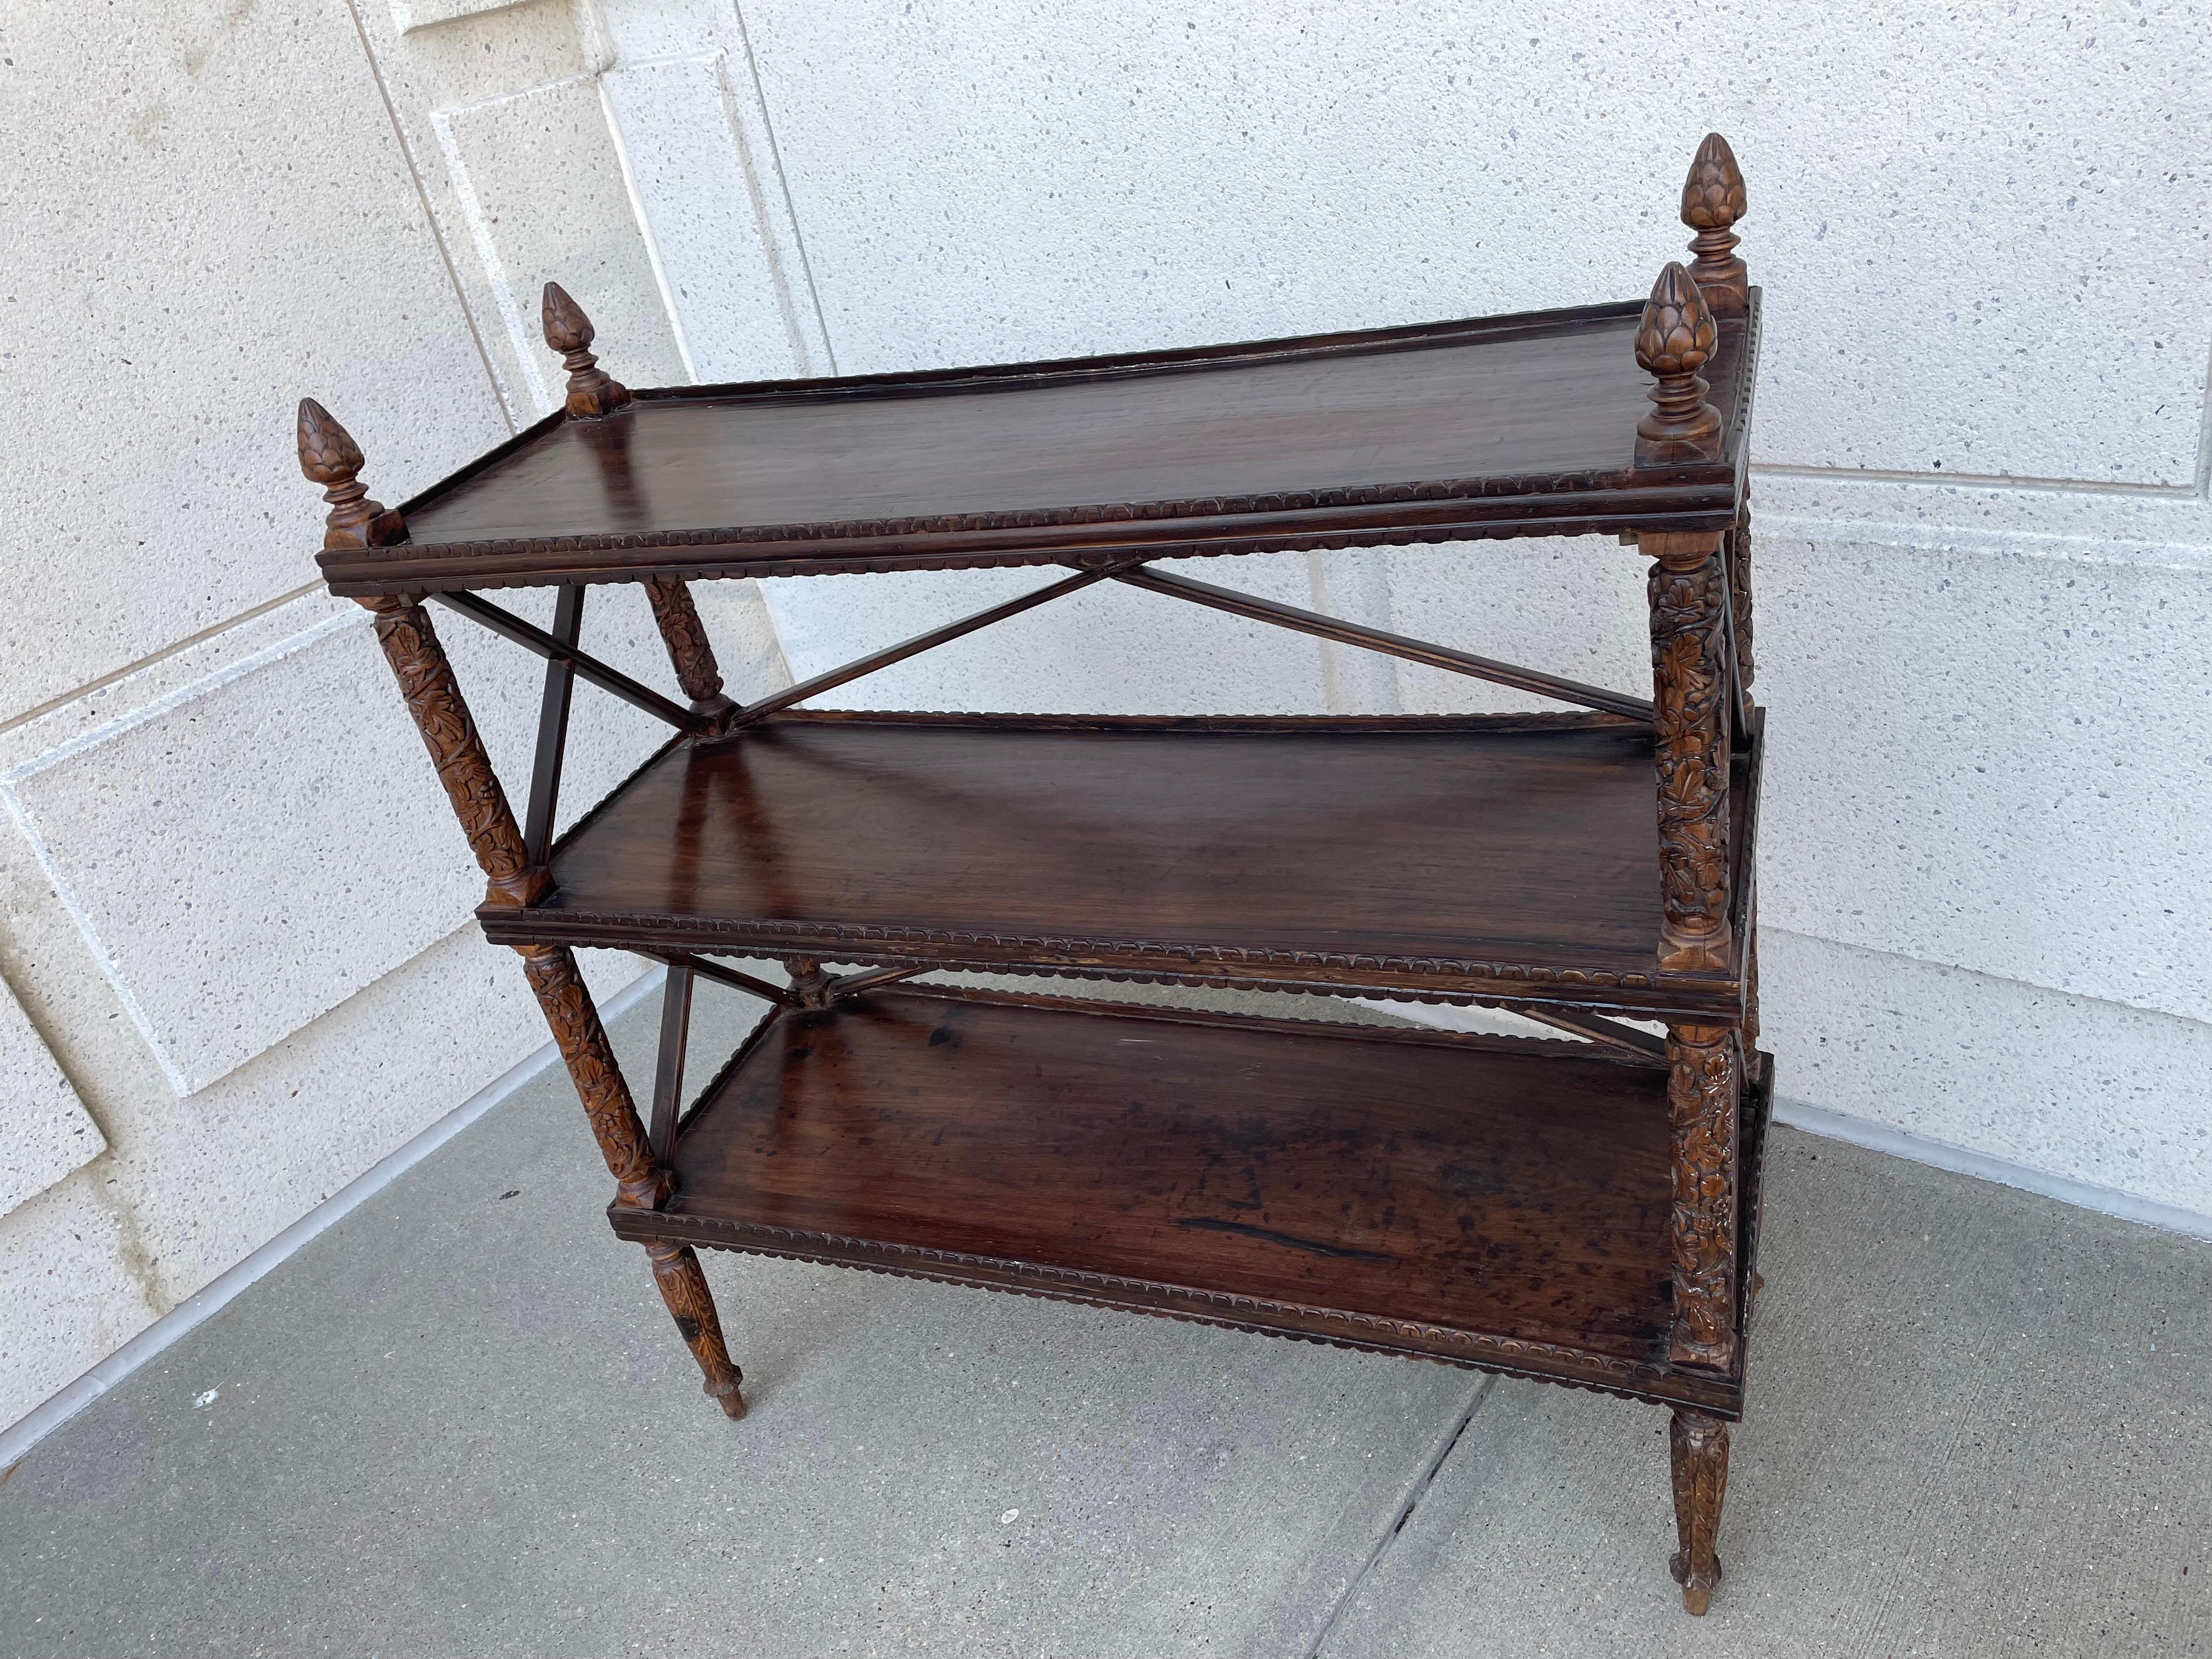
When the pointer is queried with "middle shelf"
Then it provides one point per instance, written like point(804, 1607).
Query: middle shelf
point(1516, 856)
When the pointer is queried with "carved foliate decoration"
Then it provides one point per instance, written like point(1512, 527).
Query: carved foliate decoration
point(592, 390)
point(684, 1287)
point(1712, 201)
point(689, 650)
point(329, 457)
point(1701, 1096)
point(1675, 338)
point(1689, 675)
point(566, 1005)
point(1699, 1454)
point(449, 732)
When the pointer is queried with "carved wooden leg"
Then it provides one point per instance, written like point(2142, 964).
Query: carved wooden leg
point(639, 1182)
point(1701, 1094)
point(1699, 1447)
point(688, 651)
point(684, 1288)
point(1691, 724)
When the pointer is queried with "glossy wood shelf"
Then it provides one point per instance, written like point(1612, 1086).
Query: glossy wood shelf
point(1517, 855)
point(1477, 1199)
point(1504, 425)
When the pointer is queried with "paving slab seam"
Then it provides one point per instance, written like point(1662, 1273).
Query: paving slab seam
point(1414, 1496)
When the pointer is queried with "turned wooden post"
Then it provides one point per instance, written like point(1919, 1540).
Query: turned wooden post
point(1701, 1102)
point(329, 457)
point(592, 391)
point(1712, 201)
point(1698, 1446)
point(1689, 676)
point(1675, 340)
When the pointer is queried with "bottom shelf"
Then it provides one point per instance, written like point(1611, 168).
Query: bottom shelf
point(1486, 1201)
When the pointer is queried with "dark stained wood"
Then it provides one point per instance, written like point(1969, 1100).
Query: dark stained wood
point(668, 1076)
point(1703, 1099)
point(553, 727)
point(676, 615)
point(1498, 427)
point(1411, 1189)
point(684, 1288)
point(1691, 685)
point(1583, 1212)
point(592, 390)
point(329, 457)
point(1519, 851)
point(1677, 337)
point(1712, 201)
point(1697, 1446)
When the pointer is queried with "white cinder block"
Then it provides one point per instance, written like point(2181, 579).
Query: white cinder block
point(1980, 258)
point(68, 1296)
point(2115, 1097)
point(221, 222)
point(45, 1131)
point(1105, 649)
point(541, 188)
point(703, 165)
point(1999, 759)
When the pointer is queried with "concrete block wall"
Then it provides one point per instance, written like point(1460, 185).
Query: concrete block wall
point(237, 957)
point(237, 966)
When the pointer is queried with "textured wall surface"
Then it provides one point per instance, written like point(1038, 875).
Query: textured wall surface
point(235, 950)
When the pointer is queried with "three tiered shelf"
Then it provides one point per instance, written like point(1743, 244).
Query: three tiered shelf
point(1581, 1209)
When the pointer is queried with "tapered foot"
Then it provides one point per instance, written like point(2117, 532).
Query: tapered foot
point(1698, 1446)
point(684, 1288)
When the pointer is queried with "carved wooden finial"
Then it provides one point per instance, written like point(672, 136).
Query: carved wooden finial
point(329, 457)
point(1673, 343)
point(1712, 201)
point(592, 390)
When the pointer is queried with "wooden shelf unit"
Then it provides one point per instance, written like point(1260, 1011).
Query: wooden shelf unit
point(1583, 1209)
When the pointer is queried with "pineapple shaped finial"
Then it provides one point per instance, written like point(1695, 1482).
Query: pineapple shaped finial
point(1675, 340)
point(329, 457)
point(1712, 201)
point(592, 390)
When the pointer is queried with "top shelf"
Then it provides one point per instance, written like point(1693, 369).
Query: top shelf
point(1505, 426)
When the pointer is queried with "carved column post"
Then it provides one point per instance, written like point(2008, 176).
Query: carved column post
point(1699, 1448)
point(1691, 724)
point(1701, 1102)
point(689, 652)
